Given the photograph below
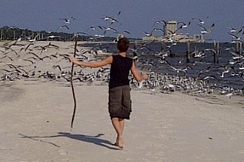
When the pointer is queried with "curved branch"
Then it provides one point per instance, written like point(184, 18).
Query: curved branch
point(72, 85)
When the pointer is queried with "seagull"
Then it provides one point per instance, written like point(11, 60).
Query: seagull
point(235, 37)
point(6, 57)
point(96, 27)
point(236, 56)
point(140, 84)
point(110, 19)
point(171, 33)
point(184, 25)
point(229, 95)
point(198, 54)
point(140, 46)
point(207, 70)
point(32, 62)
point(68, 21)
point(148, 34)
point(206, 30)
point(110, 29)
point(36, 56)
point(51, 45)
point(42, 48)
point(160, 22)
point(234, 30)
point(126, 31)
point(210, 49)
point(210, 77)
point(81, 33)
point(64, 26)
point(57, 66)
point(30, 44)
point(178, 70)
point(118, 13)
point(200, 21)
point(157, 29)
point(52, 36)
point(135, 55)
point(17, 68)
point(226, 70)
point(34, 39)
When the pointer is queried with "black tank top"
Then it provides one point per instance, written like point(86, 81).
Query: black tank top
point(119, 71)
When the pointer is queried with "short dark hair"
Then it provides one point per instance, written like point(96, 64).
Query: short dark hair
point(123, 44)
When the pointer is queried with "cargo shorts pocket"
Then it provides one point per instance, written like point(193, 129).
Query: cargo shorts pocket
point(115, 98)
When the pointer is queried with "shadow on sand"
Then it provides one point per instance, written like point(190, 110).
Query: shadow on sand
point(85, 138)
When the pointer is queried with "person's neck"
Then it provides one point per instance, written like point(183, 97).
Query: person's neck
point(123, 54)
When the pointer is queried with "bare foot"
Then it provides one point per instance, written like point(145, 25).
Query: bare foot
point(119, 142)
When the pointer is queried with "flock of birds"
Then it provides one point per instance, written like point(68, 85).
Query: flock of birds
point(199, 76)
point(103, 30)
point(30, 60)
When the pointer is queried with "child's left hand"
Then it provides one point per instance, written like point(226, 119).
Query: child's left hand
point(73, 60)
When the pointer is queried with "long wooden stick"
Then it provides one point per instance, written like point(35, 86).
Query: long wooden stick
point(72, 85)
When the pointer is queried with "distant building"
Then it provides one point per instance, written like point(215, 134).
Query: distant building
point(170, 27)
point(171, 35)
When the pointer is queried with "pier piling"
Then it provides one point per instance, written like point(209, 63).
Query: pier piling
point(240, 50)
point(217, 52)
point(163, 46)
point(1, 34)
point(188, 52)
point(239, 47)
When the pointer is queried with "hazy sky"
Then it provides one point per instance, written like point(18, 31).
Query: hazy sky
point(136, 16)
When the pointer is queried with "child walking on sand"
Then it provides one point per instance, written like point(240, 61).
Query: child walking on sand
point(119, 104)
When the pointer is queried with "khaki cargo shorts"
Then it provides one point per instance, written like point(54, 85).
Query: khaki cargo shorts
point(119, 103)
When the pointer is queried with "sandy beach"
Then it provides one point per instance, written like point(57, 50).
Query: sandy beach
point(36, 112)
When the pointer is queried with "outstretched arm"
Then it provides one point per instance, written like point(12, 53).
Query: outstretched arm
point(136, 75)
point(104, 62)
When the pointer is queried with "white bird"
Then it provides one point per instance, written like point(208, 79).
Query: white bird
point(200, 21)
point(206, 30)
point(64, 27)
point(68, 21)
point(184, 25)
point(160, 22)
point(140, 84)
point(34, 39)
point(229, 95)
point(96, 27)
point(110, 29)
point(147, 34)
point(110, 19)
